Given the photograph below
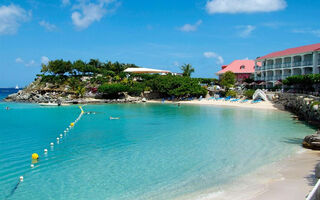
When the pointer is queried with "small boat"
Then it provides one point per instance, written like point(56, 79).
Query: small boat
point(53, 104)
point(17, 87)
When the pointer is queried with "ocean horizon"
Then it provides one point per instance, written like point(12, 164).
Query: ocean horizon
point(154, 151)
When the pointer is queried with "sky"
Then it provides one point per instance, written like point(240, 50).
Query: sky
point(162, 34)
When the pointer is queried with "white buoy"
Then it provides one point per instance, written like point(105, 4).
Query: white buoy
point(32, 166)
point(67, 129)
point(58, 139)
point(21, 178)
point(61, 135)
point(51, 144)
point(64, 131)
point(46, 150)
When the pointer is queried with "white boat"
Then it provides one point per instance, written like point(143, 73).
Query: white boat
point(53, 104)
point(17, 87)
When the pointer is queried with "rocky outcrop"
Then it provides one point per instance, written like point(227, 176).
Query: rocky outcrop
point(312, 141)
point(54, 96)
point(306, 107)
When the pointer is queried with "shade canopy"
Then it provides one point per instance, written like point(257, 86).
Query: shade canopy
point(146, 71)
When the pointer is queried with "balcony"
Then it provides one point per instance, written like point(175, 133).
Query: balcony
point(278, 77)
point(257, 68)
point(307, 63)
point(263, 68)
point(269, 66)
point(286, 65)
point(296, 64)
point(278, 66)
point(285, 76)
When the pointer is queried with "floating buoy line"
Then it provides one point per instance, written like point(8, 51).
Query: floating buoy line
point(35, 156)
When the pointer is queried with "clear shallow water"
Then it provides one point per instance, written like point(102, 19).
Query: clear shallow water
point(153, 152)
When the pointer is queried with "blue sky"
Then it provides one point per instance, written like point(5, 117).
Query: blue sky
point(150, 33)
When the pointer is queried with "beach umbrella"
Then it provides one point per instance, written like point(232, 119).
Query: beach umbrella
point(245, 83)
point(278, 83)
point(262, 83)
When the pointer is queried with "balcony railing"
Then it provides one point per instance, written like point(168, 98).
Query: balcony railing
point(279, 65)
point(269, 66)
point(296, 64)
point(307, 63)
point(286, 65)
point(263, 68)
point(257, 68)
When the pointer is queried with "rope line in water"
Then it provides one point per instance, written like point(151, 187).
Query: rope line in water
point(72, 124)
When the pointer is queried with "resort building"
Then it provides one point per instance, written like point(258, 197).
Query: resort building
point(243, 69)
point(282, 64)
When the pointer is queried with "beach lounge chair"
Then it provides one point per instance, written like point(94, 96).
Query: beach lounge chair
point(234, 100)
point(227, 98)
point(256, 101)
point(244, 101)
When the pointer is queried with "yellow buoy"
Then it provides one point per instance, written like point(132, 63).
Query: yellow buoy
point(35, 156)
point(72, 124)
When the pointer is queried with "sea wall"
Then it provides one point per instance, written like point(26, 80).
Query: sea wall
point(306, 107)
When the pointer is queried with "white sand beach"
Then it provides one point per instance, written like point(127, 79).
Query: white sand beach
point(260, 105)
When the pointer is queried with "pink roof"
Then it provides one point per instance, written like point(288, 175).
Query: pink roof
point(235, 67)
point(297, 50)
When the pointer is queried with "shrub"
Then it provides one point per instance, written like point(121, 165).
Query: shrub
point(112, 89)
point(249, 93)
point(231, 93)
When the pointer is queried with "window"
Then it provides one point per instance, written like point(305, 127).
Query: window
point(242, 67)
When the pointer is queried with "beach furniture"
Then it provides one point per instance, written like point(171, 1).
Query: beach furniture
point(200, 98)
point(234, 100)
point(227, 98)
point(256, 101)
point(244, 101)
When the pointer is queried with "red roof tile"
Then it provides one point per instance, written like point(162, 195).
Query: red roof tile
point(296, 50)
point(235, 67)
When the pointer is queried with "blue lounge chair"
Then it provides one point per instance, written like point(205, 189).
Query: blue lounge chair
point(256, 101)
point(244, 101)
point(234, 100)
point(227, 98)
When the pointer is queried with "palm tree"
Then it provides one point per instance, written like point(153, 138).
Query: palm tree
point(187, 69)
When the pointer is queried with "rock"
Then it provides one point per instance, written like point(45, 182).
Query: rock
point(312, 142)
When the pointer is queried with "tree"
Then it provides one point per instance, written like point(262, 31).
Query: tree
point(228, 79)
point(187, 70)
point(79, 66)
point(80, 91)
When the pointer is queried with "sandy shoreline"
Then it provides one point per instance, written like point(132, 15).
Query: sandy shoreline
point(291, 178)
point(260, 105)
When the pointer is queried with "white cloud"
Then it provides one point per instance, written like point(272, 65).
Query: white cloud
point(244, 6)
point(31, 63)
point(87, 12)
point(19, 60)
point(44, 60)
point(11, 17)
point(190, 27)
point(65, 2)
point(245, 31)
point(47, 25)
point(210, 54)
point(315, 32)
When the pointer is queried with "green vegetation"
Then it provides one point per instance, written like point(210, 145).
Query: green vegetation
point(187, 70)
point(303, 82)
point(228, 80)
point(110, 80)
point(231, 93)
point(249, 93)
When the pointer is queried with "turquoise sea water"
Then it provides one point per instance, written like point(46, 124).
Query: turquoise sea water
point(154, 151)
